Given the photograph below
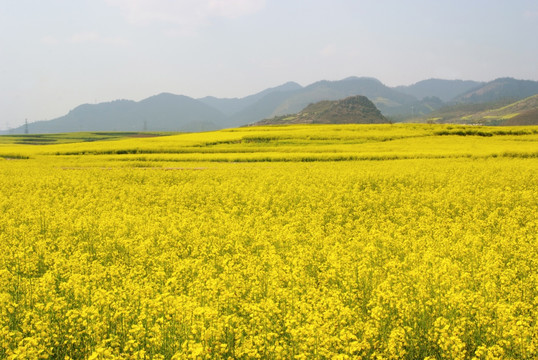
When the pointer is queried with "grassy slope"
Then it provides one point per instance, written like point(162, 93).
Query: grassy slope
point(529, 117)
point(522, 112)
point(509, 112)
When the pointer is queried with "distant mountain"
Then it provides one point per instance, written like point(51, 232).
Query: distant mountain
point(383, 96)
point(163, 112)
point(446, 90)
point(168, 112)
point(234, 105)
point(274, 104)
point(502, 88)
point(352, 110)
point(261, 109)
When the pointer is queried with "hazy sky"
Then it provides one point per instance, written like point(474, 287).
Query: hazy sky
point(57, 54)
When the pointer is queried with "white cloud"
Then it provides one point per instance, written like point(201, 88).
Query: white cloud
point(96, 38)
point(529, 14)
point(50, 40)
point(329, 50)
point(234, 8)
point(185, 15)
point(88, 37)
point(84, 37)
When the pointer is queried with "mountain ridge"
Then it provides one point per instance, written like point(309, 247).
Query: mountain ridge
point(229, 106)
point(500, 88)
point(446, 90)
point(162, 112)
point(170, 112)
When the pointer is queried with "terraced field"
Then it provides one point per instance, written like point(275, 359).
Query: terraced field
point(285, 242)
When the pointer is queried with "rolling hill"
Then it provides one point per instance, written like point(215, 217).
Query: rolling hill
point(502, 112)
point(352, 110)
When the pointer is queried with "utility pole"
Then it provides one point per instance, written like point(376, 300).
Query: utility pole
point(26, 126)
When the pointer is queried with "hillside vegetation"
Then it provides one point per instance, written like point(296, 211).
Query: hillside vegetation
point(523, 112)
point(507, 113)
point(277, 242)
point(351, 110)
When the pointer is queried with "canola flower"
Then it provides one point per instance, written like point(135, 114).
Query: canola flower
point(110, 256)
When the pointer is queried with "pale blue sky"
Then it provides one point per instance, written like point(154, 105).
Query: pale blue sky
point(57, 54)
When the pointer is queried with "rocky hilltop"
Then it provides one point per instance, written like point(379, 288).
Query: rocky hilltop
point(351, 110)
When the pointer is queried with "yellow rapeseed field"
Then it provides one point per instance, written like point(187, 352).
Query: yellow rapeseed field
point(290, 242)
